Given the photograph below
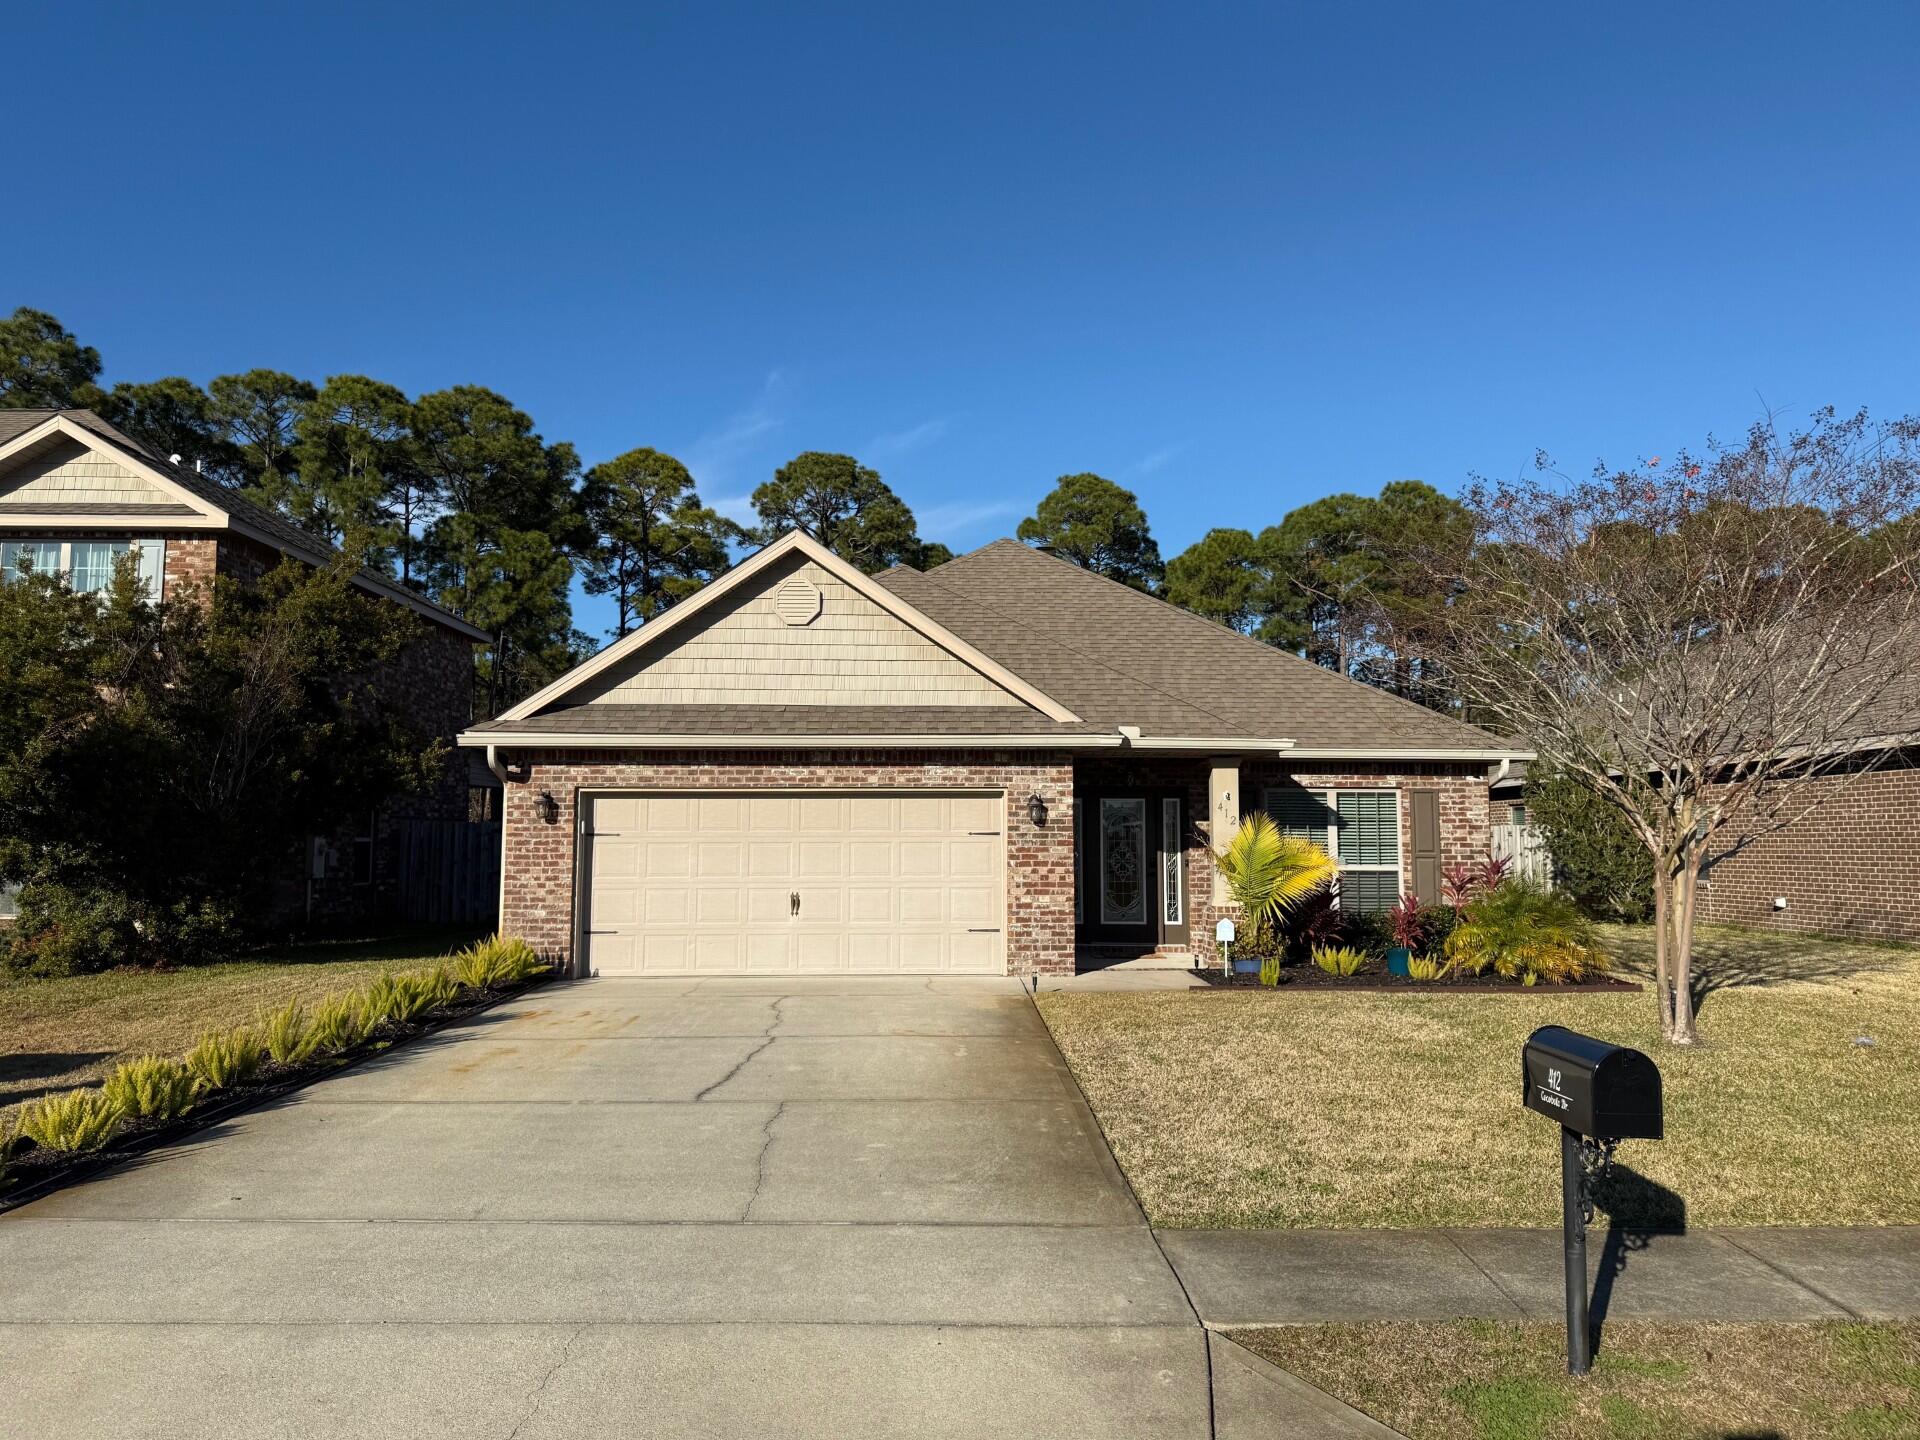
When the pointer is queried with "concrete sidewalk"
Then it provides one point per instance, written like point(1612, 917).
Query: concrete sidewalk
point(1238, 1278)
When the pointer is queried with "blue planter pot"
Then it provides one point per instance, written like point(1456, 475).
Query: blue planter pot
point(1397, 959)
point(1246, 967)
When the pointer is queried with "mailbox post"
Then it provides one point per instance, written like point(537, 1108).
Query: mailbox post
point(1600, 1094)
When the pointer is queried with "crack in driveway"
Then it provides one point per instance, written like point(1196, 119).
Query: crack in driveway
point(539, 1394)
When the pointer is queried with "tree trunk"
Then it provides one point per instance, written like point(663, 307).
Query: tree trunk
point(1686, 884)
point(1662, 983)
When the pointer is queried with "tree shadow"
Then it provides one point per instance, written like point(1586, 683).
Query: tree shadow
point(1640, 1212)
point(43, 1067)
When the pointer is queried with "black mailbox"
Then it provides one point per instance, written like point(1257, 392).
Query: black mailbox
point(1591, 1087)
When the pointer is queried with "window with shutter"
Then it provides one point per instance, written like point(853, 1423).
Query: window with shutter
point(1359, 828)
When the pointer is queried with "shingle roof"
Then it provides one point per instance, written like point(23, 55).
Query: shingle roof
point(1112, 656)
point(274, 528)
point(1117, 656)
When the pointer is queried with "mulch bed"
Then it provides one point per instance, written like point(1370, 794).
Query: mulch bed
point(1312, 977)
point(31, 1173)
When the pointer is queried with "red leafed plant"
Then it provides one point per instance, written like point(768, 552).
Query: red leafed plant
point(1409, 922)
point(1464, 882)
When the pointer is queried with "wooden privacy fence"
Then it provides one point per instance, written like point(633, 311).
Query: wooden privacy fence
point(450, 870)
point(1526, 847)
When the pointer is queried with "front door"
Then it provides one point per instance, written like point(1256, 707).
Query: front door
point(1131, 872)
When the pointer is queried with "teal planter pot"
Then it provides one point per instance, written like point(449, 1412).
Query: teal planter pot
point(1397, 959)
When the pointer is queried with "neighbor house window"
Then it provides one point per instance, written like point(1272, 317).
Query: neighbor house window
point(1519, 816)
point(1359, 828)
point(9, 903)
point(86, 565)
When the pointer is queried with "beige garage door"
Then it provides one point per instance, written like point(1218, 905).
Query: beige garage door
point(797, 883)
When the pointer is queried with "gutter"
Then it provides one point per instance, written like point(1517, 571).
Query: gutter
point(1341, 753)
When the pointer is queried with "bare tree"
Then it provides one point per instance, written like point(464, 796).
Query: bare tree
point(1711, 644)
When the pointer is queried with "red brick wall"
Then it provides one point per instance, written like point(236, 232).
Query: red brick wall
point(539, 900)
point(1465, 832)
point(1850, 868)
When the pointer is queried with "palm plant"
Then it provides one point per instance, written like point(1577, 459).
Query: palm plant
point(1522, 932)
point(1269, 873)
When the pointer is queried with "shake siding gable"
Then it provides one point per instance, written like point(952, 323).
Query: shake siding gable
point(851, 652)
point(71, 474)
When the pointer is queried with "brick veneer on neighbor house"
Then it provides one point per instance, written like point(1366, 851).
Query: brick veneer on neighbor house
point(1852, 867)
point(538, 900)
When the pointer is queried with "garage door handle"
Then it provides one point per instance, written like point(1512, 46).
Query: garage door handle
point(794, 903)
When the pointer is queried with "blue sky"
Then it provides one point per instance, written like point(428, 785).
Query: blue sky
point(1233, 257)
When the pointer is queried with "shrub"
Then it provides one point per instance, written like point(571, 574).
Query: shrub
point(498, 960)
point(1440, 921)
point(1339, 959)
point(1522, 932)
point(152, 1087)
point(1425, 967)
point(70, 1123)
point(1597, 858)
point(224, 1058)
point(1269, 873)
point(287, 1035)
point(83, 929)
point(1372, 934)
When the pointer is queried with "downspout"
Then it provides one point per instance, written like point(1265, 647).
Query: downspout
point(500, 773)
point(1500, 771)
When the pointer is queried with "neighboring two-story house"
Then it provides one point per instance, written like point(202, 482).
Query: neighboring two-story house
point(76, 495)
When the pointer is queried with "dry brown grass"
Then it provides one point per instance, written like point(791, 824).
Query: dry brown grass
point(1262, 1109)
point(58, 1033)
point(1481, 1380)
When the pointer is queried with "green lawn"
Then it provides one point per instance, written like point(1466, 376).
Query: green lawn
point(58, 1033)
point(1481, 1380)
point(1301, 1108)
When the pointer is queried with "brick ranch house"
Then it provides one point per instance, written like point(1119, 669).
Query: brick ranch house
point(1852, 865)
point(76, 495)
point(1005, 765)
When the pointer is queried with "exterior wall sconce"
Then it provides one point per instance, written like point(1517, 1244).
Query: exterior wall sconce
point(1036, 810)
point(549, 807)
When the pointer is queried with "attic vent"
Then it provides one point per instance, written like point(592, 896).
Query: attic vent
point(797, 601)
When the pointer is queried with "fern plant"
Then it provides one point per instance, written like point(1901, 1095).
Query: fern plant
point(76, 1121)
point(1524, 933)
point(1342, 960)
point(335, 1025)
point(1269, 873)
point(152, 1087)
point(498, 960)
point(224, 1058)
point(441, 987)
point(287, 1035)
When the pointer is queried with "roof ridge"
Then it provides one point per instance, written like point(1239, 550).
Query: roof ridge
point(1260, 645)
point(1056, 640)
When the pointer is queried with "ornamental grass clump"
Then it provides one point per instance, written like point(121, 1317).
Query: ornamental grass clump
point(441, 986)
point(71, 1123)
point(1524, 933)
point(335, 1025)
point(1341, 960)
point(153, 1087)
point(1425, 967)
point(225, 1058)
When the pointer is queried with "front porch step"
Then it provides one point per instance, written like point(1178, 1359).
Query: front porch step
point(1102, 957)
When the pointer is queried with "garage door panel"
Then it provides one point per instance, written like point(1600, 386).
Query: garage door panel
point(662, 905)
point(889, 883)
point(973, 905)
point(668, 859)
point(870, 905)
point(719, 906)
point(719, 859)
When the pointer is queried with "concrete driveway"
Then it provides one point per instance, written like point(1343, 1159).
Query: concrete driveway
point(672, 1208)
